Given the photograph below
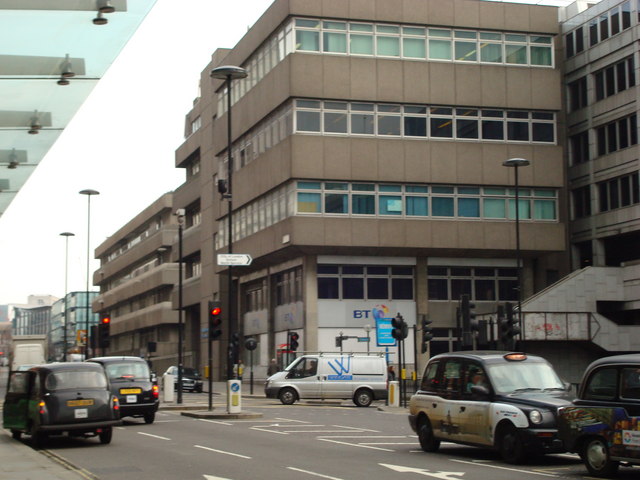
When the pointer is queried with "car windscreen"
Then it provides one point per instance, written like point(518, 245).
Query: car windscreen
point(127, 371)
point(75, 379)
point(524, 376)
point(192, 372)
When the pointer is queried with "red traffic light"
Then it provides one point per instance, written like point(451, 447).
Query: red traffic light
point(105, 321)
point(216, 311)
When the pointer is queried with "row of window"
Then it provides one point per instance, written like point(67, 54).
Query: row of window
point(600, 28)
point(424, 121)
point(390, 41)
point(614, 193)
point(608, 81)
point(611, 137)
point(338, 198)
point(359, 282)
point(422, 43)
point(152, 227)
point(480, 283)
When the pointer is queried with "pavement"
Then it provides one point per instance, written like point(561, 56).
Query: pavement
point(19, 461)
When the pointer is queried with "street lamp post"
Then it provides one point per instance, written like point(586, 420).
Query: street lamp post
point(180, 213)
point(66, 236)
point(88, 193)
point(515, 163)
point(367, 328)
point(229, 73)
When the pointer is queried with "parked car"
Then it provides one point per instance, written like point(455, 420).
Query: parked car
point(505, 401)
point(132, 382)
point(603, 425)
point(191, 379)
point(60, 398)
point(361, 378)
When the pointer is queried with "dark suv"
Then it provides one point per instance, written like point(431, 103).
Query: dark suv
point(501, 400)
point(603, 426)
point(60, 397)
point(132, 382)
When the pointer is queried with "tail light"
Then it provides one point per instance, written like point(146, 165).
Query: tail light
point(42, 407)
point(115, 403)
point(155, 391)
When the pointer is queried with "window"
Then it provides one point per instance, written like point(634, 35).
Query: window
point(617, 135)
point(579, 148)
point(619, 192)
point(480, 283)
point(429, 380)
point(614, 78)
point(602, 385)
point(365, 282)
point(581, 202)
point(578, 94)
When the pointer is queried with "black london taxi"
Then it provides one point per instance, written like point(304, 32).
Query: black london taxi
point(603, 425)
point(505, 401)
point(58, 398)
point(132, 382)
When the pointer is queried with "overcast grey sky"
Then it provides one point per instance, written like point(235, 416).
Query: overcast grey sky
point(121, 143)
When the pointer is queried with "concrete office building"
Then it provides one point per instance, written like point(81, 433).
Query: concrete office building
point(368, 143)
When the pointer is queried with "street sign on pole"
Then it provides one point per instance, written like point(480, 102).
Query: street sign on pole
point(233, 259)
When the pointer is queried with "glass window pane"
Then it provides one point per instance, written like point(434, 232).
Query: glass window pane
point(402, 288)
point(336, 203)
point(494, 208)
point(310, 185)
point(415, 126)
point(466, 128)
point(377, 288)
point(466, 51)
point(328, 288)
point(516, 54)
point(327, 269)
point(541, 56)
point(389, 125)
point(361, 44)
point(335, 25)
point(518, 131)
point(417, 189)
point(363, 204)
point(309, 202)
point(307, 41)
point(390, 205)
point(459, 287)
point(377, 270)
point(438, 289)
point(441, 127)
point(544, 209)
point(303, 22)
point(492, 130)
point(336, 186)
point(507, 290)
point(363, 187)
point(307, 121)
point(485, 289)
point(469, 207)
point(442, 189)
point(543, 132)
point(353, 288)
point(352, 270)
point(361, 124)
point(524, 209)
point(335, 42)
point(440, 49)
point(335, 122)
point(390, 188)
point(442, 207)
point(361, 27)
point(491, 52)
point(417, 206)
point(414, 48)
point(389, 46)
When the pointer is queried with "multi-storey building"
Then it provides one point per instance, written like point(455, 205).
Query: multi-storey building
point(368, 143)
point(72, 310)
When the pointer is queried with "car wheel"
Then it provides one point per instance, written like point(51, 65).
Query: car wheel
point(149, 417)
point(597, 460)
point(105, 435)
point(287, 396)
point(38, 438)
point(428, 441)
point(511, 446)
point(363, 398)
point(16, 434)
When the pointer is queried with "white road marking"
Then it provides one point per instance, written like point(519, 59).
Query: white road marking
point(355, 444)
point(261, 429)
point(211, 477)
point(222, 451)
point(215, 421)
point(356, 428)
point(154, 436)
point(313, 473)
point(422, 471)
point(504, 468)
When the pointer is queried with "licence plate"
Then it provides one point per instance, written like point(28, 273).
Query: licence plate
point(132, 398)
point(127, 391)
point(80, 403)
point(81, 413)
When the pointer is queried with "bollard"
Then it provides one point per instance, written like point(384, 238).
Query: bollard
point(234, 396)
point(394, 394)
point(168, 384)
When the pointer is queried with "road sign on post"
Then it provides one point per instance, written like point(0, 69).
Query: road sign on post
point(234, 259)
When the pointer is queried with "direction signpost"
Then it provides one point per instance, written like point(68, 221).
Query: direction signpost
point(234, 259)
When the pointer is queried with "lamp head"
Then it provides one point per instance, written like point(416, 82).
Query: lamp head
point(228, 72)
point(516, 162)
point(100, 20)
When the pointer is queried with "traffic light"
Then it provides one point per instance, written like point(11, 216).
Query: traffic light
point(509, 326)
point(250, 344)
point(400, 328)
point(467, 308)
point(427, 334)
point(293, 341)
point(103, 332)
point(215, 319)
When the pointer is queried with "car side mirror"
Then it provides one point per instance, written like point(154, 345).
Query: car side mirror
point(480, 391)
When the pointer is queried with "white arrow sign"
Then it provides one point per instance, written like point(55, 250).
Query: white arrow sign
point(234, 259)
point(422, 471)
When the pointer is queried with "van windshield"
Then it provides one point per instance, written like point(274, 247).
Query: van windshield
point(525, 376)
point(127, 371)
point(75, 379)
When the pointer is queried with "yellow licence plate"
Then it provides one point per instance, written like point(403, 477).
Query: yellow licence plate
point(127, 391)
point(79, 403)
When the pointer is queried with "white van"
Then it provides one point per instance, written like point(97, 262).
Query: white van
point(27, 354)
point(362, 378)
